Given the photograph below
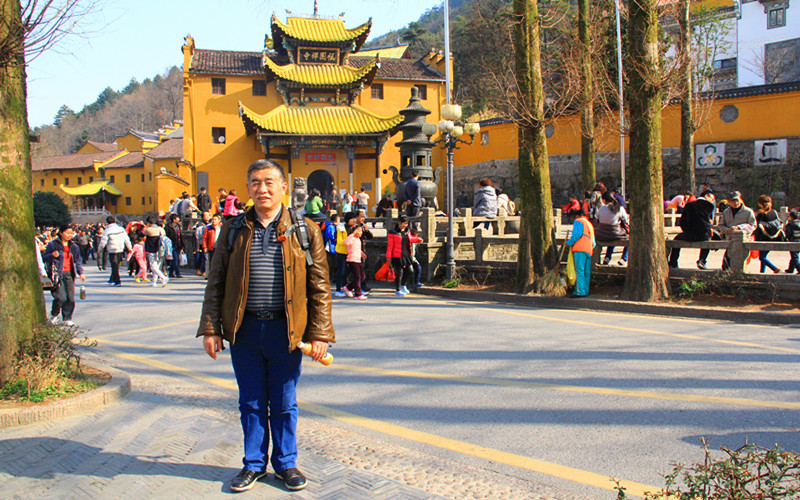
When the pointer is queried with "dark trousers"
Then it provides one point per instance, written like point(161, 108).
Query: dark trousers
point(765, 263)
point(114, 259)
point(341, 270)
point(200, 261)
point(102, 260)
point(175, 263)
point(412, 211)
point(402, 274)
point(331, 266)
point(267, 375)
point(84, 250)
point(794, 262)
point(676, 252)
point(356, 277)
point(64, 297)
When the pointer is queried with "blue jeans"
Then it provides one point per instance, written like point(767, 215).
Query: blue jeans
point(267, 375)
point(765, 263)
point(175, 263)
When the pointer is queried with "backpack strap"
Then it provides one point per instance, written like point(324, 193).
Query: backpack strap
point(300, 227)
point(237, 224)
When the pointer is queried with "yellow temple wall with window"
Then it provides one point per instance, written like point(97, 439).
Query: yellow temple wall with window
point(760, 117)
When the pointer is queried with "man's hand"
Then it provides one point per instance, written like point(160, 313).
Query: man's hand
point(318, 349)
point(83, 278)
point(55, 254)
point(213, 345)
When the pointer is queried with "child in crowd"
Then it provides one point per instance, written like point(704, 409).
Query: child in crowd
point(414, 262)
point(792, 232)
point(138, 254)
point(354, 256)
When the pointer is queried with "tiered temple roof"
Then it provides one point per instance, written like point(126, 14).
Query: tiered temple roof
point(319, 120)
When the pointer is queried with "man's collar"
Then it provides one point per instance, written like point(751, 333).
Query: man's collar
point(274, 219)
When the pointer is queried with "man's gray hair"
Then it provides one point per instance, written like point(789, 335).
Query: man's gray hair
point(263, 165)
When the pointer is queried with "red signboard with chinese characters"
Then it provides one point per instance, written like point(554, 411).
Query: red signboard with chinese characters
point(320, 156)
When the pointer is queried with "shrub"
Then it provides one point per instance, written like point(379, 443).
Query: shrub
point(50, 210)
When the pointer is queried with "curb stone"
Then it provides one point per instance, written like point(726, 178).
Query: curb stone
point(605, 305)
point(117, 388)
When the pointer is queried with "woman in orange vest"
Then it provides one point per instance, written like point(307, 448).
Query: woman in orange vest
point(582, 244)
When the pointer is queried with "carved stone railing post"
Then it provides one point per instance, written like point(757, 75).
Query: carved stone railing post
point(468, 230)
point(737, 253)
point(478, 244)
point(428, 224)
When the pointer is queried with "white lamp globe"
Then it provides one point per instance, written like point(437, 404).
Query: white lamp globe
point(451, 112)
point(446, 126)
point(472, 129)
point(458, 131)
point(429, 129)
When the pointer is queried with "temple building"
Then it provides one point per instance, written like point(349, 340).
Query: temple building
point(311, 100)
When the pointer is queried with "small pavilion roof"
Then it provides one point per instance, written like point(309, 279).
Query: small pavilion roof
point(322, 75)
point(92, 188)
point(315, 29)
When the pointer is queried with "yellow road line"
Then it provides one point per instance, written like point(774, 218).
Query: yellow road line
point(149, 328)
point(606, 391)
point(519, 461)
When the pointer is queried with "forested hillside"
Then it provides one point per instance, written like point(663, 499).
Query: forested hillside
point(146, 106)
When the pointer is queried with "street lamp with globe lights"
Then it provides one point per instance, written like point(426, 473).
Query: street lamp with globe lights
point(451, 133)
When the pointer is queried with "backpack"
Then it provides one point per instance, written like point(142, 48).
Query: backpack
point(341, 235)
point(298, 226)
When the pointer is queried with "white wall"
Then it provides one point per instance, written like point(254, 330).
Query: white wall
point(753, 35)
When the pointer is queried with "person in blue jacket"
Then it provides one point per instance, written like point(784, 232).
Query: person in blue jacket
point(581, 244)
point(62, 259)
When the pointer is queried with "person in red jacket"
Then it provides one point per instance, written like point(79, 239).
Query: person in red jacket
point(210, 237)
point(398, 252)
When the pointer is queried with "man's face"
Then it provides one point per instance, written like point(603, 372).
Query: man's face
point(736, 203)
point(266, 188)
point(361, 217)
point(206, 217)
point(215, 221)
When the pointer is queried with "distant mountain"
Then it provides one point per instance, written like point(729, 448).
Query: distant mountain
point(147, 106)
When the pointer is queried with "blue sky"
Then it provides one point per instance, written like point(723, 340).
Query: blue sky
point(143, 38)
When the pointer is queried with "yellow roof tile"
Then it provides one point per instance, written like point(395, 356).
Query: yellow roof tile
point(319, 75)
point(389, 52)
point(319, 30)
point(325, 120)
point(92, 188)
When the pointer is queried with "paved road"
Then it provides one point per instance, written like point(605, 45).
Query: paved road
point(427, 397)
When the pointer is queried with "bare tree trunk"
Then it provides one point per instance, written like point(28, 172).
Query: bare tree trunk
point(647, 277)
point(588, 176)
point(536, 247)
point(687, 100)
point(21, 299)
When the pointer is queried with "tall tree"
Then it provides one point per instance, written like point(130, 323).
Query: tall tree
point(536, 241)
point(588, 176)
point(22, 304)
point(687, 98)
point(647, 277)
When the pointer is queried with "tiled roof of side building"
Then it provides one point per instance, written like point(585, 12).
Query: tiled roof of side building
point(104, 146)
point(170, 148)
point(131, 160)
point(399, 69)
point(226, 62)
point(176, 134)
point(73, 161)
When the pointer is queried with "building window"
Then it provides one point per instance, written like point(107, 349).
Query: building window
point(128, 201)
point(55, 181)
point(376, 91)
point(484, 138)
point(150, 176)
point(142, 200)
point(218, 86)
point(91, 178)
point(127, 177)
point(725, 63)
point(776, 18)
point(218, 135)
point(42, 182)
point(112, 179)
point(142, 177)
point(150, 199)
point(259, 87)
point(79, 180)
point(66, 181)
point(423, 91)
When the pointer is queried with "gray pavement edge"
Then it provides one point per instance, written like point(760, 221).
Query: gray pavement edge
point(116, 388)
point(606, 305)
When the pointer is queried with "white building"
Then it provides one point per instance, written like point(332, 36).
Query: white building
point(763, 44)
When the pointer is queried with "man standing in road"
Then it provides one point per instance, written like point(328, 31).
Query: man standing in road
point(115, 241)
point(413, 195)
point(263, 296)
point(173, 232)
point(737, 217)
point(203, 200)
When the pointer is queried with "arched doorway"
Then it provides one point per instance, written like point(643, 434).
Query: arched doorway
point(321, 180)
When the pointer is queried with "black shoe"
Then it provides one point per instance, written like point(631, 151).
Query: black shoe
point(702, 265)
point(673, 266)
point(293, 479)
point(246, 479)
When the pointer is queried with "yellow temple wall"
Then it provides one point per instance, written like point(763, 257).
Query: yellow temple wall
point(50, 181)
point(761, 116)
point(129, 181)
point(129, 142)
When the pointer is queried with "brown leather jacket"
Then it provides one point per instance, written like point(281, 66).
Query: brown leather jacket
point(308, 294)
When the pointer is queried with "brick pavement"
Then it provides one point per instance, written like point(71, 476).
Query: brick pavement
point(173, 437)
